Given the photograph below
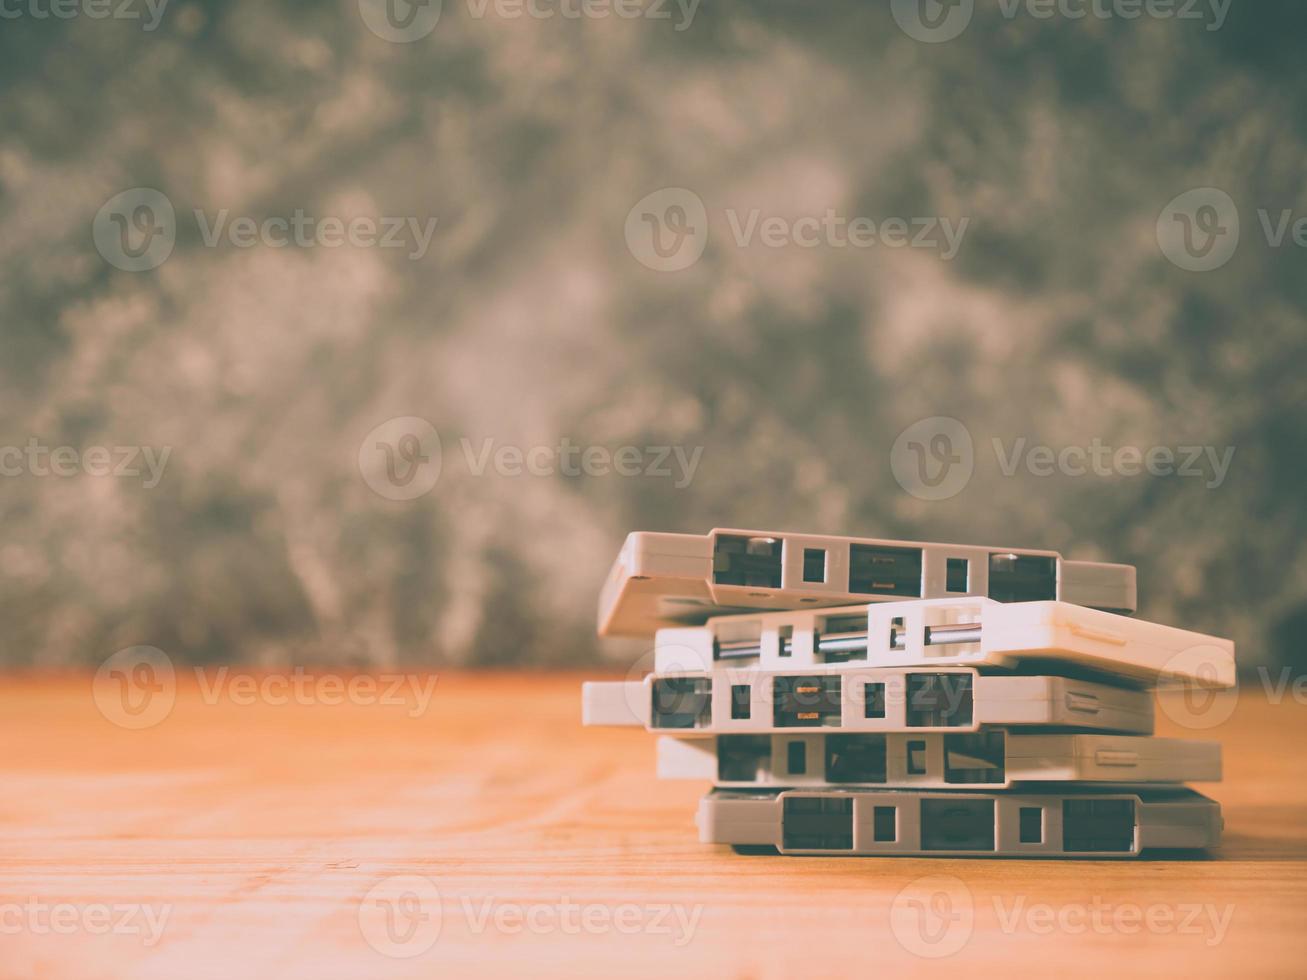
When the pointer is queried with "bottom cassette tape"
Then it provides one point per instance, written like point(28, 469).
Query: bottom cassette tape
point(1036, 822)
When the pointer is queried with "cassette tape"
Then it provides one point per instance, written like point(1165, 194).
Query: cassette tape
point(1049, 637)
point(988, 759)
point(662, 580)
point(750, 700)
point(1035, 822)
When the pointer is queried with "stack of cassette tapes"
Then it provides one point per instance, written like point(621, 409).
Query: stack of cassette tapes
point(858, 696)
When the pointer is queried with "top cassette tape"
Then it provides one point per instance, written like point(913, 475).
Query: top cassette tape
point(662, 580)
point(1035, 637)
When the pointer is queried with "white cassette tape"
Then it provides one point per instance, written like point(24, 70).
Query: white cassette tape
point(1033, 822)
point(750, 700)
point(987, 759)
point(1049, 637)
point(662, 580)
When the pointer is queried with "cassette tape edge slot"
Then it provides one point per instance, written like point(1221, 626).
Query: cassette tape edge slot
point(851, 643)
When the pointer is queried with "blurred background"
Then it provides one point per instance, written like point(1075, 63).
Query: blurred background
point(362, 332)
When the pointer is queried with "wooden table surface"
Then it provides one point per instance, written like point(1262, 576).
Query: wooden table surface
point(485, 833)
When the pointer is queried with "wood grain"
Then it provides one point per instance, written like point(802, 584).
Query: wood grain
point(260, 828)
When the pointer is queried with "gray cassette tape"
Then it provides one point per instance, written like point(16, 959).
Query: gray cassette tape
point(751, 700)
point(1052, 636)
point(664, 580)
point(993, 758)
point(1034, 822)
